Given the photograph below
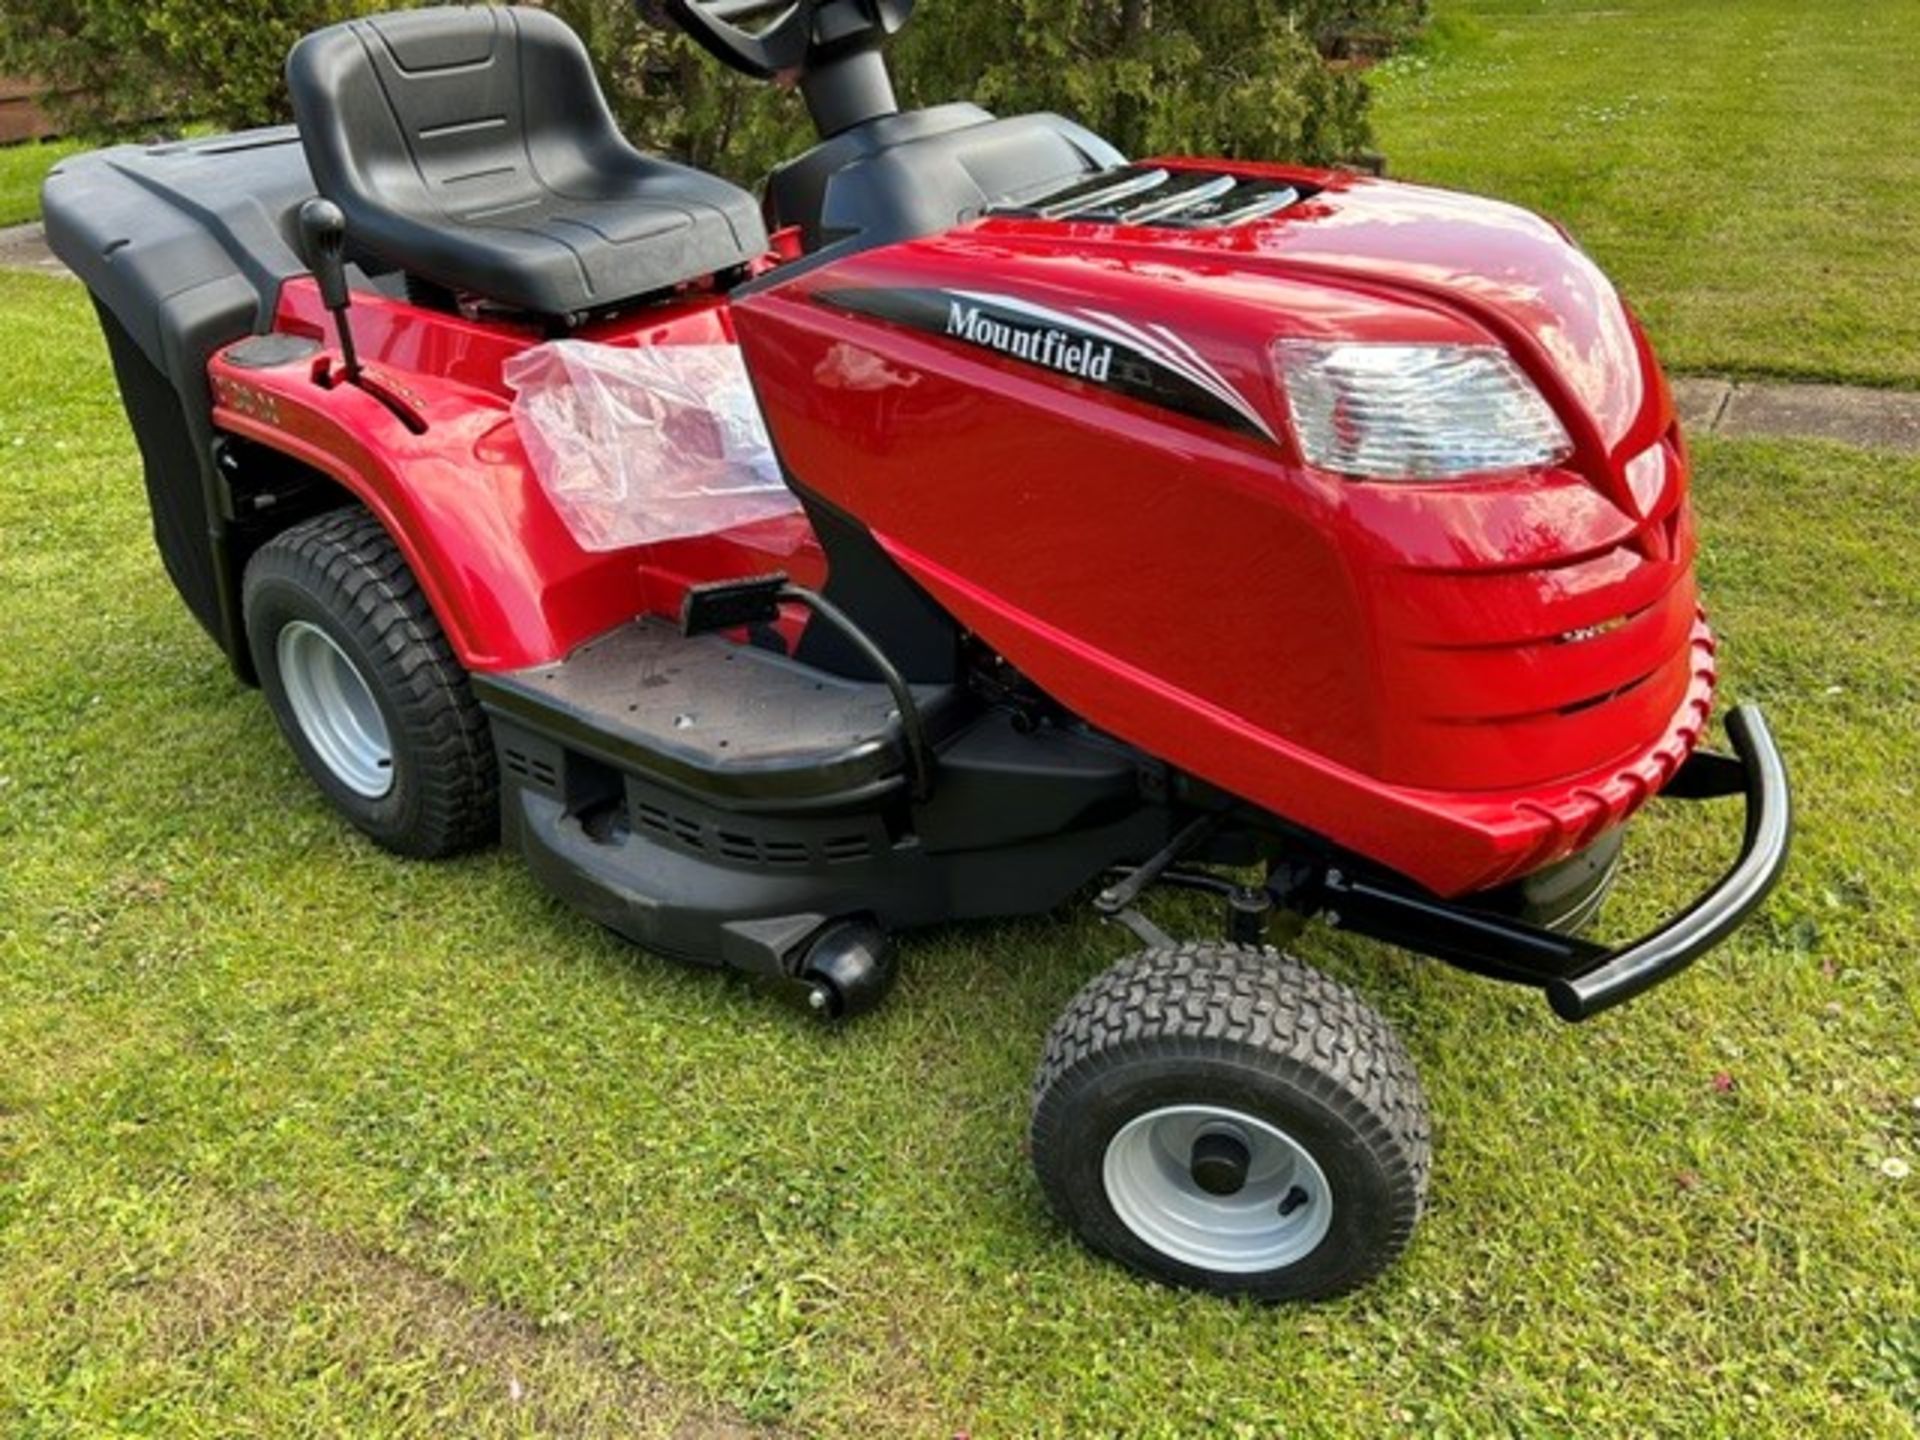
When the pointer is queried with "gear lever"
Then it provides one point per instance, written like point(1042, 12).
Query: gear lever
point(323, 238)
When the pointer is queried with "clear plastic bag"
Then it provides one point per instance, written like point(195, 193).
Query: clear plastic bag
point(636, 446)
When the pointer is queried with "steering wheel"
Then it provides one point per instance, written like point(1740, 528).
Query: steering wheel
point(768, 38)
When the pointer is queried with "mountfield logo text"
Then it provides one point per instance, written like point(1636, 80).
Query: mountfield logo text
point(1054, 349)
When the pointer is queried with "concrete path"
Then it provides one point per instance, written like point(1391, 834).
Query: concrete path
point(1747, 410)
point(24, 247)
point(1735, 409)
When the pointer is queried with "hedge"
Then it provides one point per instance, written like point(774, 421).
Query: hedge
point(1247, 78)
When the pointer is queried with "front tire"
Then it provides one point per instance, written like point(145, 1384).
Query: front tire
point(1228, 1119)
point(366, 689)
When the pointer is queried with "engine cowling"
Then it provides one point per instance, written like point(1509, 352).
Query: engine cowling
point(1074, 434)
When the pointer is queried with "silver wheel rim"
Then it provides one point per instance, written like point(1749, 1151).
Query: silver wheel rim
point(335, 709)
point(1277, 1217)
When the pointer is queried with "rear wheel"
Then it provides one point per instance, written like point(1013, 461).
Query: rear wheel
point(366, 689)
point(1226, 1118)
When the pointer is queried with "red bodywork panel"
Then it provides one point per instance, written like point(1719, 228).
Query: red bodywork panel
point(459, 497)
point(1462, 681)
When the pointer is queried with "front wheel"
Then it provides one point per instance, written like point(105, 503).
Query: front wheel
point(1228, 1119)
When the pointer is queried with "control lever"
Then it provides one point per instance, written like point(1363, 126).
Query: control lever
point(323, 238)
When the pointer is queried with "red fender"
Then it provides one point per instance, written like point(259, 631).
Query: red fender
point(455, 489)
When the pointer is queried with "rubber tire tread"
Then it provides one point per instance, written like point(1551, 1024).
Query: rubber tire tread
point(347, 565)
point(1252, 1008)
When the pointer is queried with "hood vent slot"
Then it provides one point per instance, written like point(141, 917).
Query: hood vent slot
point(1097, 194)
point(1171, 199)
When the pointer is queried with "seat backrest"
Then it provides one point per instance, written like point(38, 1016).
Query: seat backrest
point(459, 112)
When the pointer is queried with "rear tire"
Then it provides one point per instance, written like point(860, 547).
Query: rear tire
point(1228, 1119)
point(366, 689)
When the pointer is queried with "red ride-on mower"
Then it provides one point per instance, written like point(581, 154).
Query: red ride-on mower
point(981, 521)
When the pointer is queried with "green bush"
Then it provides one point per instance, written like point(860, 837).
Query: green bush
point(1241, 78)
point(125, 64)
point(1245, 78)
point(1252, 79)
point(1362, 29)
point(672, 99)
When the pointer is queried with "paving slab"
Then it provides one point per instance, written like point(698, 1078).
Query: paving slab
point(1876, 419)
point(24, 247)
point(1700, 399)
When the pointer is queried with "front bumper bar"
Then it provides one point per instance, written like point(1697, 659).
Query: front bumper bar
point(1581, 978)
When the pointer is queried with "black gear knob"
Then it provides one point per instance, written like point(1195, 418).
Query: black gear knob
point(323, 236)
point(323, 239)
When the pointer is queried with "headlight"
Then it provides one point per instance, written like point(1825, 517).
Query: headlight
point(1416, 412)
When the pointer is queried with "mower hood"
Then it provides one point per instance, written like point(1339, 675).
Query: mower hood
point(1509, 270)
point(1356, 258)
point(1072, 430)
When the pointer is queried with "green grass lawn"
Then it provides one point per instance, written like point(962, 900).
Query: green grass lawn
point(299, 1139)
point(1748, 170)
point(22, 168)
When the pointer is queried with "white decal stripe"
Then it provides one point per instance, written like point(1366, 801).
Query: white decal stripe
point(1205, 378)
point(1196, 370)
point(1179, 342)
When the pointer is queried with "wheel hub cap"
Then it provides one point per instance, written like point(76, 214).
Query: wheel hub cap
point(1219, 1163)
point(1217, 1189)
point(335, 709)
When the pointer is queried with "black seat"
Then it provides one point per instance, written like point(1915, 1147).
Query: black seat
point(471, 146)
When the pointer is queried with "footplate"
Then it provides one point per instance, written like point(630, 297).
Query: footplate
point(733, 724)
